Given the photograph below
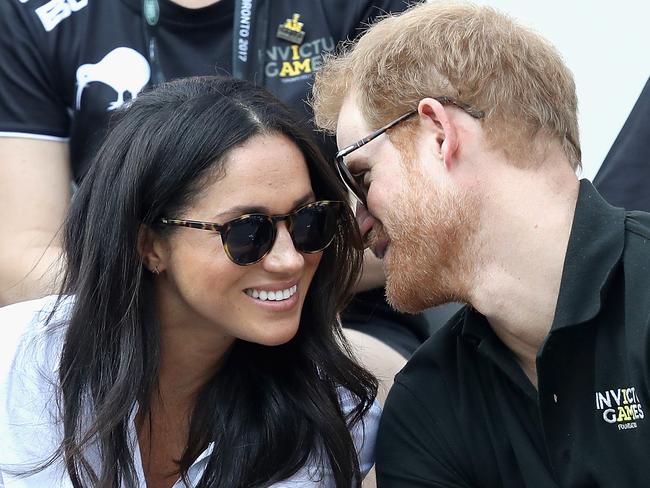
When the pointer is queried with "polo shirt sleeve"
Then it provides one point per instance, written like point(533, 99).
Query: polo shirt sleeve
point(30, 103)
point(412, 451)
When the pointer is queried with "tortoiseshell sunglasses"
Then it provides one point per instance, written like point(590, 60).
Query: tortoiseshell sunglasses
point(247, 239)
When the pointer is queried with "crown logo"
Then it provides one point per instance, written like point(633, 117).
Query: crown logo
point(293, 23)
point(291, 30)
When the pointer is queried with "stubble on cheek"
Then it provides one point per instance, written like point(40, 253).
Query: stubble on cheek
point(430, 259)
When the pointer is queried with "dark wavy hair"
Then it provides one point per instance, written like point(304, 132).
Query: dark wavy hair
point(268, 409)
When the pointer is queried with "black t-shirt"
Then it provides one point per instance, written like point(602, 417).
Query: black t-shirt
point(463, 413)
point(66, 64)
point(624, 177)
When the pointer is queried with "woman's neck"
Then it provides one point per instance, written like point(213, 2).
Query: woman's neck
point(187, 362)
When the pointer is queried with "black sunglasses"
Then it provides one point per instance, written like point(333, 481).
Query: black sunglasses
point(354, 182)
point(247, 239)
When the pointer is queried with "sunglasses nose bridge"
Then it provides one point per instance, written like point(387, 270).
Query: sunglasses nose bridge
point(277, 219)
point(283, 254)
point(288, 225)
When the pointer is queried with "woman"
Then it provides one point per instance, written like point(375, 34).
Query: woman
point(195, 341)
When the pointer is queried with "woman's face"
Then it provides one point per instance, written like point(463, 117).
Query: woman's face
point(200, 289)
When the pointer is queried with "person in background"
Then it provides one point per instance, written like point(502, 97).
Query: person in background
point(219, 359)
point(458, 134)
point(66, 65)
point(624, 177)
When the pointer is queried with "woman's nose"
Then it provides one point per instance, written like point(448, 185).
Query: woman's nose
point(283, 257)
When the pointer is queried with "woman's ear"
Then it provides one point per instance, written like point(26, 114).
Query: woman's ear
point(441, 127)
point(151, 249)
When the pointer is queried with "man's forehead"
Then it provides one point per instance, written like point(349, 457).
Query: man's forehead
point(351, 125)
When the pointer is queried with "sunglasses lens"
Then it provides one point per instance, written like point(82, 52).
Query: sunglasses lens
point(354, 185)
point(249, 239)
point(313, 227)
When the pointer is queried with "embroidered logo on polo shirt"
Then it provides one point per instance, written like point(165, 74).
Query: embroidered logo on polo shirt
point(620, 406)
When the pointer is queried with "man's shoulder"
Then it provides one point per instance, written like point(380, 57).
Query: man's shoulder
point(638, 223)
point(636, 255)
point(636, 262)
point(434, 364)
point(422, 432)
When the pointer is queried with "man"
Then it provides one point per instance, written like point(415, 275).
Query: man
point(625, 174)
point(66, 65)
point(468, 192)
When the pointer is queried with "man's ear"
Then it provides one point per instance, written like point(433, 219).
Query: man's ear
point(151, 249)
point(436, 119)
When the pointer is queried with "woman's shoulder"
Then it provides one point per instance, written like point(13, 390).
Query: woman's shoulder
point(31, 337)
point(30, 332)
point(32, 315)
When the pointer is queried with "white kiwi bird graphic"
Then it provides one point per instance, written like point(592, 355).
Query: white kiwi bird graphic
point(123, 69)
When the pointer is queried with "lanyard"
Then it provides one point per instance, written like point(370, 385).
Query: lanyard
point(250, 23)
point(249, 34)
point(150, 17)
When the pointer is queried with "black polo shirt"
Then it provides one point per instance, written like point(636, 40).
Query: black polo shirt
point(463, 413)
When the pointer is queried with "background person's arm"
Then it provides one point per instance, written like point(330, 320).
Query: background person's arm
point(34, 196)
point(373, 273)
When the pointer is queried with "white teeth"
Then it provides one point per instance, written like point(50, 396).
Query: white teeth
point(277, 295)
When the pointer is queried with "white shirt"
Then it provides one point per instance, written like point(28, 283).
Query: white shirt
point(30, 431)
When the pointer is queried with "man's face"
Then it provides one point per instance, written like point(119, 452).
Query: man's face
point(417, 221)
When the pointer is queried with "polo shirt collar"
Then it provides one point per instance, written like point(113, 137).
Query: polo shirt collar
point(476, 330)
point(595, 247)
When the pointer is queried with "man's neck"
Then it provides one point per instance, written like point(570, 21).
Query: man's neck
point(527, 222)
point(194, 4)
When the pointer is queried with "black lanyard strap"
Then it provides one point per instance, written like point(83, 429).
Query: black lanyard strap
point(242, 38)
point(250, 26)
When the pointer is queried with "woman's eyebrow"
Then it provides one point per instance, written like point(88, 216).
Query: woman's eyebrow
point(248, 209)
